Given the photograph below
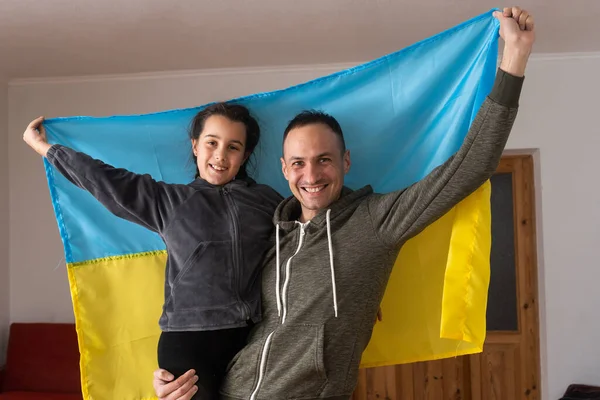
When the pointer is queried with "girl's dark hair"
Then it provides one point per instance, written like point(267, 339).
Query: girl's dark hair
point(233, 112)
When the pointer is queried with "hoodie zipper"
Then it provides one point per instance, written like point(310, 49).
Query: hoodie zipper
point(287, 271)
point(262, 366)
point(267, 345)
point(236, 251)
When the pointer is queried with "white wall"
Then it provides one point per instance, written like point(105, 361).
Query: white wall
point(4, 286)
point(557, 117)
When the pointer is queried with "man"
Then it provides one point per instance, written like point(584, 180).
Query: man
point(335, 248)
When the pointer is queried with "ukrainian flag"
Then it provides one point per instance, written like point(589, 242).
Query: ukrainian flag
point(402, 114)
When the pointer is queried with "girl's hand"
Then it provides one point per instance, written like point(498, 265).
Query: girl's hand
point(35, 136)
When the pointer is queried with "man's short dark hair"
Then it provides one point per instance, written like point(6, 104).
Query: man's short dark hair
point(310, 117)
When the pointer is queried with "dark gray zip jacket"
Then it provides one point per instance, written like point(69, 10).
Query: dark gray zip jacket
point(216, 237)
point(320, 300)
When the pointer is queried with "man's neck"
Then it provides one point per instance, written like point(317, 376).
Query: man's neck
point(307, 215)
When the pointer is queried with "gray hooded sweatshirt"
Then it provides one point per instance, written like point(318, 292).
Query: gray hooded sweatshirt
point(324, 280)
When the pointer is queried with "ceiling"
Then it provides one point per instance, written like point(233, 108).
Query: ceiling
point(89, 37)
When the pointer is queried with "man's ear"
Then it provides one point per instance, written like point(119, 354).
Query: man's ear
point(347, 161)
point(284, 168)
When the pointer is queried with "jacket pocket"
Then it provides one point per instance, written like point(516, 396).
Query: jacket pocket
point(242, 372)
point(204, 282)
point(294, 363)
point(191, 260)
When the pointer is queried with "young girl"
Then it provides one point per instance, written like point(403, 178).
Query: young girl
point(215, 229)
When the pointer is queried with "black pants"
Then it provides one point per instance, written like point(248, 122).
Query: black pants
point(207, 352)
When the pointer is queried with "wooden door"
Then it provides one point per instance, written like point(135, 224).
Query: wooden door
point(509, 367)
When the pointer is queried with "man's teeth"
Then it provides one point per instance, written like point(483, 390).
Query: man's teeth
point(314, 190)
point(217, 168)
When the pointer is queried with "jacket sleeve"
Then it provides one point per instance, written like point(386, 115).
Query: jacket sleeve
point(134, 197)
point(400, 215)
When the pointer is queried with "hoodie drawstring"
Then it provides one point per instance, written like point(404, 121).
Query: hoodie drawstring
point(281, 297)
point(335, 306)
point(278, 272)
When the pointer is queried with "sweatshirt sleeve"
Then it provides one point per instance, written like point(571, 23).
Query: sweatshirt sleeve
point(134, 197)
point(400, 215)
